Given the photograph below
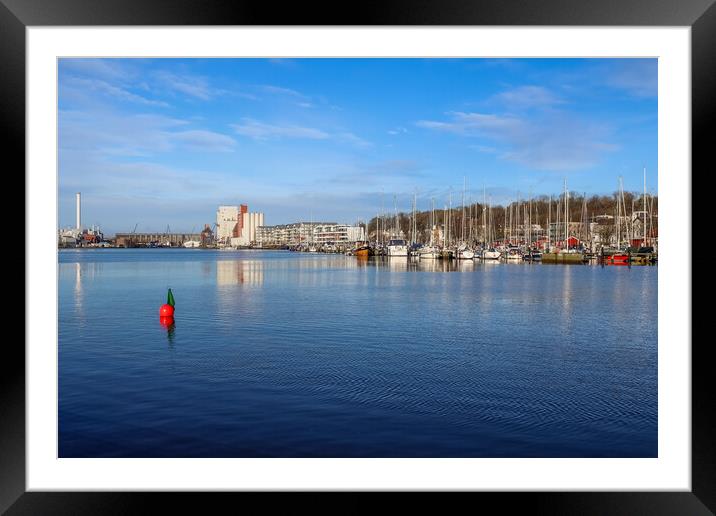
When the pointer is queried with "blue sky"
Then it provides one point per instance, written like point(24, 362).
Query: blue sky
point(158, 142)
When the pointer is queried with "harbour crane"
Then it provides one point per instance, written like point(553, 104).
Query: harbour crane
point(132, 243)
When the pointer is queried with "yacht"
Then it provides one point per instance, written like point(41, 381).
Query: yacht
point(428, 252)
point(397, 247)
point(465, 253)
point(533, 255)
point(192, 243)
point(491, 254)
point(513, 254)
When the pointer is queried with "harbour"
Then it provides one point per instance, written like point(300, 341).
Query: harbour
point(524, 230)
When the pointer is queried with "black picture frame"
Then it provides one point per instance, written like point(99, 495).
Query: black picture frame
point(700, 15)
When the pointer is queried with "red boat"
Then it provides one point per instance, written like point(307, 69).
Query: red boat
point(616, 259)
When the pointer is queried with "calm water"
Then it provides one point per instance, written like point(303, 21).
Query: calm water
point(279, 354)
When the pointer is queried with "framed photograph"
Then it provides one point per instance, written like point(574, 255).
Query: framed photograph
point(424, 249)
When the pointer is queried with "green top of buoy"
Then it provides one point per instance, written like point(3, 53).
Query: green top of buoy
point(170, 298)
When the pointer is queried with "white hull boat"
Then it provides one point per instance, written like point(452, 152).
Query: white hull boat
point(465, 253)
point(397, 248)
point(428, 253)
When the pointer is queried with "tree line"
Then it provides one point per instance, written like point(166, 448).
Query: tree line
point(502, 217)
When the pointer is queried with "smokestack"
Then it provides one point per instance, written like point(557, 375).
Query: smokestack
point(79, 225)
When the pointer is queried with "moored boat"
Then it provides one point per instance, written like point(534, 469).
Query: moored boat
point(616, 259)
point(563, 257)
point(491, 254)
point(428, 252)
point(465, 253)
point(513, 254)
point(363, 251)
point(397, 247)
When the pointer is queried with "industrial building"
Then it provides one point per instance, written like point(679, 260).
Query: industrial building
point(236, 226)
point(79, 236)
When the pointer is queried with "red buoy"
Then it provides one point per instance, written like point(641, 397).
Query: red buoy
point(166, 311)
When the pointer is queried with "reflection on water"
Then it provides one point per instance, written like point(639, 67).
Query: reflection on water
point(239, 272)
point(78, 286)
point(283, 354)
point(169, 324)
point(404, 263)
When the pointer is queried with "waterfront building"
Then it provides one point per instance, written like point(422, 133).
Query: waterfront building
point(288, 234)
point(310, 232)
point(338, 233)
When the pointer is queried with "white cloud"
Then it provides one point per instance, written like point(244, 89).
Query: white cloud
point(108, 69)
point(136, 135)
point(637, 77)
point(527, 97)
point(283, 91)
point(553, 141)
point(473, 123)
point(262, 131)
point(352, 139)
point(203, 141)
point(194, 86)
point(83, 86)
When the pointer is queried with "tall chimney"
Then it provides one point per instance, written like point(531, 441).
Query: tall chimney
point(79, 225)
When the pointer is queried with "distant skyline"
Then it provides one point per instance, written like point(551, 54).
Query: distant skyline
point(164, 142)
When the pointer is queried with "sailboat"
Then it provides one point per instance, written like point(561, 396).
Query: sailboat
point(430, 251)
point(463, 252)
point(564, 255)
point(488, 253)
point(397, 246)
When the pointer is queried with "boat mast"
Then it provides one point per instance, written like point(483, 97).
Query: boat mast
point(558, 215)
point(644, 196)
point(432, 221)
point(529, 223)
point(509, 226)
point(622, 208)
point(489, 225)
point(449, 217)
point(549, 225)
point(484, 221)
point(462, 222)
point(618, 225)
point(395, 223)
point(472, 206)
point(566, 214)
